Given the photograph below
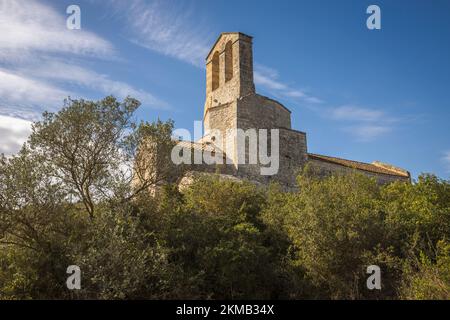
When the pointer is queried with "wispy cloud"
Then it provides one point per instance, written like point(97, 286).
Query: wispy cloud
point(446, 159)
point(353, 113)
point(14, 133)
point(269, 79)
point(22, 93)
point(75, 74)
point(37, 70)
point(27, 29)
point(367, 132)
point(33, 38)
point(364, 124)
point(166, 28)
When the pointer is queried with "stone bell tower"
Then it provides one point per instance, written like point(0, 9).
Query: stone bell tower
point(232, 103)
point(229, 75)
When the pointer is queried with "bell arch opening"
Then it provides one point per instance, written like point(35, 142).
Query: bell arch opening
point(215, 71)
point(228, 61)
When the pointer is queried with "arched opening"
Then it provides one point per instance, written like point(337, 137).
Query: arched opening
point(215, 71)
point(228, 61)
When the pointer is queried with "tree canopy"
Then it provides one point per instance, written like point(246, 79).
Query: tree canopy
point(80, 192)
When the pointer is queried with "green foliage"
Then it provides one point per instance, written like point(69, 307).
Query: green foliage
point(81, 145)
point(427, 279)
point(331, 237)
point(95, 189)
point(216, 238)
point(67, 198)
point(418, 214)
point(121, 261)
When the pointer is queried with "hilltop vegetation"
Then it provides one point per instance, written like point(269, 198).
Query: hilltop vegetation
point(67, 198)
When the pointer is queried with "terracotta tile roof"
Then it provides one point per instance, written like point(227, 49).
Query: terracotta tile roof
point(375, 167)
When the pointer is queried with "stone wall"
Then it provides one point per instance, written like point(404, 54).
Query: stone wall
point(218, 120)
point(259, 112)
point(293, 155)
point(326, 168)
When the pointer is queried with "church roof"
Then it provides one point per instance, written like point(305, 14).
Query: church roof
point(375, 167)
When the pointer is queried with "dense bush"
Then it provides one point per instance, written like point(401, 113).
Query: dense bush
point(431, 279)
point(67, 199)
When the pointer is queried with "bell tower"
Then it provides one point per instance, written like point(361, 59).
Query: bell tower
point(229, 70)
point(236, 119)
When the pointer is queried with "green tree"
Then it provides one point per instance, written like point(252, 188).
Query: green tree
point(418, 214)
point(337, 229)
point(425, 279)
point(217, 240)
point(68, 198)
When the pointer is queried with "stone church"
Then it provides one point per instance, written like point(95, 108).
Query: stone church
point(232, 103)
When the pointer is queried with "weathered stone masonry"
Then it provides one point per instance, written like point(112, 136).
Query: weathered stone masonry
point(232, 103)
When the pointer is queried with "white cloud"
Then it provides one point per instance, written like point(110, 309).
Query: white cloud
point(446, 159)
point(350, 113)
point(30, 27)
point(367, 132)
point(19, 92)
point(33, 39)
point(267, 72)
point(166, 28)
point(268, 78)
point(365, 124)
point(313, 100)
point(13, 132)
point(61, 71)
point(269, 82)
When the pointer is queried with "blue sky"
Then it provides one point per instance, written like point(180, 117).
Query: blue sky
point(359, 94)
